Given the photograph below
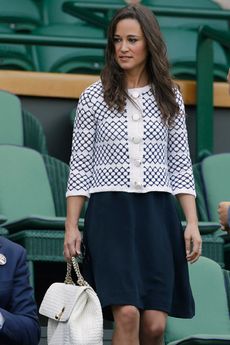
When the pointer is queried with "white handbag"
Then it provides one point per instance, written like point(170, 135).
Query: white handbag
point(74, 312)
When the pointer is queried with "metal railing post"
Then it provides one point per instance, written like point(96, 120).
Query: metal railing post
point(204, 93)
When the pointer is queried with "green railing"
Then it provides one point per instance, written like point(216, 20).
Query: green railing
point(100, 13)
point(57, 41)
point(205, 107)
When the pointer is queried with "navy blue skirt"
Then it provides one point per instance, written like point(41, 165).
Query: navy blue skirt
point(135, 253)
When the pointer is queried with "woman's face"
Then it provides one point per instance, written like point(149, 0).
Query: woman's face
point(130, 45)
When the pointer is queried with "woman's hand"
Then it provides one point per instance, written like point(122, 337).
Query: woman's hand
point(72, 243)
point(193, 243)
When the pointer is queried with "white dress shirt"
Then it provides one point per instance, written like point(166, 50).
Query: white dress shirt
point(2, 320)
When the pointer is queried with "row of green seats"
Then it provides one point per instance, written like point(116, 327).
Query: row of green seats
point(53, 21)
point(25, 15)
point(182, 56)
point(37, 224)
point(32, 185)
point(18, 126)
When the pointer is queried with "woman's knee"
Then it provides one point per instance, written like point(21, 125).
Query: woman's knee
point(126, 316)
point(153, 327)
point(155, 330)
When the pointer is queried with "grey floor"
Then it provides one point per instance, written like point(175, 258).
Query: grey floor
point(107, 337)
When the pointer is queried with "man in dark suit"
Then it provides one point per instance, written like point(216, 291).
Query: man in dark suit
point(18, 313)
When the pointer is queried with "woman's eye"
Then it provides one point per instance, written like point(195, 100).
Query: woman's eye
point(132, 40)
point(116, 39)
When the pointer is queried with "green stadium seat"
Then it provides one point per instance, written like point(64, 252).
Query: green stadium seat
point(3, 231)
point(211, 323)
point(32, 199)
point(20, 15)
point(51, 11)
point(69, 60)
point(213, 176)
point(200, 4)
point(181, 48)
point(25, 188)
point(14, 56)
point(3, 219)
point(181, 22)
point(213, 244)
point(19, 127)
point(72, 116)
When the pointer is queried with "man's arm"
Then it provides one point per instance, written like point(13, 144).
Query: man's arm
point(20, 321)
point(224, 214)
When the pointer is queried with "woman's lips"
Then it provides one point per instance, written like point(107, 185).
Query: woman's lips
point(124, 58)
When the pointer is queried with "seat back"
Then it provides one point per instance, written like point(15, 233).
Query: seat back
point(11, 125)
point(52, 12)
point(182, 56)
point(212, 313)
point(24, 184)
point(19, 127)
point(14, 56)
point(21, 15)
point(65, 59)
point(185, 22)
point(215, 175)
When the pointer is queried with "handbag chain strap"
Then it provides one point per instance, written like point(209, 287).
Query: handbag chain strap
point(68, 278)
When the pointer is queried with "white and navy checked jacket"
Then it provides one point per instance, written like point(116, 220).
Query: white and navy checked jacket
point(131, 151)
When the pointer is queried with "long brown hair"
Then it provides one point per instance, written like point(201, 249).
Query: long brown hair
point(157, 65)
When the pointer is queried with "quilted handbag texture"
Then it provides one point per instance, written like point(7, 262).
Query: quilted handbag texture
point(74, 313)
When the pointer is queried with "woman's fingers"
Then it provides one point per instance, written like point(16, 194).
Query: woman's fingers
point(72, 244)
point(193, 244)
point(196, 251)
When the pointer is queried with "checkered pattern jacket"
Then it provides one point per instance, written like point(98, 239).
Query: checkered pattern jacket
point(131, 151)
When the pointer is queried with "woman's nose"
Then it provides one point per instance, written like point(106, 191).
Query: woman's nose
point(124, 46)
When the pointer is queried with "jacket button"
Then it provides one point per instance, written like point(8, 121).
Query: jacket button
point(137, 185)
point(135, 94)
point(136, 117)
point(138, 162)
point(136, 140)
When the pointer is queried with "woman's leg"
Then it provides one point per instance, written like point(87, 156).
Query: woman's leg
point(152, 326)
point(127, 320)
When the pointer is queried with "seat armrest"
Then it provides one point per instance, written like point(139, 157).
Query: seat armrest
point(205, 227)
point(203, 339)
point(35, 222)
point(3, 219)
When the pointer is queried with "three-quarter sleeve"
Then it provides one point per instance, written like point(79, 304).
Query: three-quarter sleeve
point(179, 161)
point(82, 155)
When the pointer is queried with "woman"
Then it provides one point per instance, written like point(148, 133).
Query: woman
point(130, 153)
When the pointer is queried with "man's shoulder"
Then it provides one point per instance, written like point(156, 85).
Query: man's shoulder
point(10, 245)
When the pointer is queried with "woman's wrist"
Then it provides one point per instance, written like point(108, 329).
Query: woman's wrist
point(71, 224)
point(193, 222)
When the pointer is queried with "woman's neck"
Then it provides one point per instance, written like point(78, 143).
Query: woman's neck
point(136, 80)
